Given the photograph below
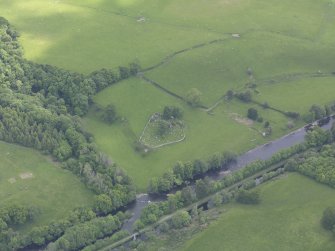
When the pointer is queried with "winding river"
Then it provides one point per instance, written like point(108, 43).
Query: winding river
point(262, 152)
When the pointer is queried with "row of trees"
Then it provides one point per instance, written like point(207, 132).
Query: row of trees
point(206, 186)
point(11, 240)
point(83, 234)
point(99, 244)
point(184, 172)
point(39, 108)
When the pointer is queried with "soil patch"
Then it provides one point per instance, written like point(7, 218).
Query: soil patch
point(12, 180)
point(26, 176)
point(239, 119)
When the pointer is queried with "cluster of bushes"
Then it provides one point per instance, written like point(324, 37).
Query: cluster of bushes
point(188, 171)
point(328, 219)
point(317, 165)
point(248, 197)
point(318, 137)
point(109, 114)
point(245, 96)
point(317, 112)
point(16, 214)
point(172, 112)
point(318, 162)
point(39, 108)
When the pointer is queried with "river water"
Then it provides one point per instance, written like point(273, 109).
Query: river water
point(262, 152)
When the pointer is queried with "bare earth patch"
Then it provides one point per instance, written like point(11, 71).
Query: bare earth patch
point(239, 119)
point(26, 176)
point(12, 180)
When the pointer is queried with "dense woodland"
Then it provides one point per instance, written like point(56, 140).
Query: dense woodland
point(40, 107)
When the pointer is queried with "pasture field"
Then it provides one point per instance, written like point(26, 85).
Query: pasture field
point(288, 218)
point(91, 34)
point(298, 95)
point(205, 134)
point(29, 178)
point(216, 68)
point(287, 46)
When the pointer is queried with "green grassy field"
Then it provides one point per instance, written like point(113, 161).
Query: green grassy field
point(54, 190)
point(308, 91)
point(288, 218)
point(285, 44)
point(216, 68)
point(143, 100)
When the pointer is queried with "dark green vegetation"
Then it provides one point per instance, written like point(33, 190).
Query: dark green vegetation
point(248, 197)
point(40, 105)
point(288, 218)
point(328, 218)
point(314, 163)
point(83, 234)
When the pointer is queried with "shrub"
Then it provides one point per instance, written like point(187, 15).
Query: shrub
point(293, 115)
point(328, 218)
point(110, 115)
point(252, 113)
point(193, 97)
point(248, 197)
point(181, 219)
point(260, 119)
point(244, 96)
point(172, 112)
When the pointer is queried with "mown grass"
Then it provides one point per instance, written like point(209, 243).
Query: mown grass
point(53, 190)
point(288, 218)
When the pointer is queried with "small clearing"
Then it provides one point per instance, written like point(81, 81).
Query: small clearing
point(241, 120)
point(12, 180)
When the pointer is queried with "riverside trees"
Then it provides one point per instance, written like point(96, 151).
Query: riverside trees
point(184, 172)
